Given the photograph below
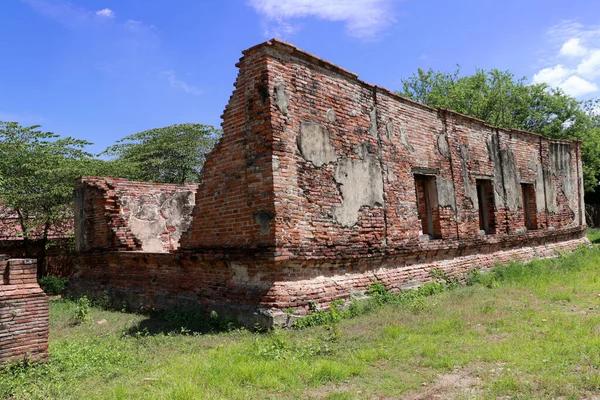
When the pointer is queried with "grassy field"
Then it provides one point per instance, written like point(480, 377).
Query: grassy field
point(522, 331)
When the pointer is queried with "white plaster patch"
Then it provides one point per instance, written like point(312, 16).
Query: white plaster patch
point(361, 184)
point(315, 144)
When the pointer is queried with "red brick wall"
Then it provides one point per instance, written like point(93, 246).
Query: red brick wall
point(313, 184)
point(406, 138)
point(24, 312)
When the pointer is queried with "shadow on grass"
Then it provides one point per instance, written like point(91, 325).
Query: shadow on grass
point(182, 322)
point(593, 235)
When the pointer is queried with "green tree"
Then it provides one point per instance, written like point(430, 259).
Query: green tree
point(500, 99)
point(173, 154)
point(37, 171)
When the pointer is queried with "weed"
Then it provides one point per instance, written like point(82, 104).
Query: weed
point(440, 276)
point(82, 310)
point(413, 300)
point(290, 310)
point(476, 277)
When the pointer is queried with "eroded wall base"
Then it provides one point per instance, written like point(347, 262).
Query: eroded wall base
point(259, 291)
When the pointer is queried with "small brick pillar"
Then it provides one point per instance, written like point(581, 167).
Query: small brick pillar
point(24, 312)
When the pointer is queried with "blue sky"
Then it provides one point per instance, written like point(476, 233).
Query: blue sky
point(102, 69)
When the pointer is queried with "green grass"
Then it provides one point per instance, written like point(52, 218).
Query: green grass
point(594, 235)
point(521, 331)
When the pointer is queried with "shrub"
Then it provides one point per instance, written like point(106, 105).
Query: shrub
point(82, 310)
point(52, 285)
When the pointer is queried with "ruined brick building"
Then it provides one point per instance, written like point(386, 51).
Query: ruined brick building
point(320, 185)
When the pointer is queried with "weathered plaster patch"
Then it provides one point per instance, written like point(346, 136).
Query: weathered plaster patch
point(148, 232)
point(281, 97)
point(315, 144)
point(560, 162)
point(470, 189)
point(361, 184)
point(363, 150)
point(389, 129)
point(177, 209)
point(373, 119)
point(404, 139)
point(535, 165)
point(330, 116)
point(150, 216)
point(445, 192)
point(442, 143)
point(512, 181)
point(494, 156)
point(550, 191)
point(264, 218)
point(391, 176)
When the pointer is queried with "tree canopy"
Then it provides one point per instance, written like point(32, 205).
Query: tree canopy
point(500, 99)
point(37, 171)
point(173, 154)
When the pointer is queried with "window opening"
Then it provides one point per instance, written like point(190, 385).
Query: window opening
point(529, 206)
point(427, 205)
point(485, 198)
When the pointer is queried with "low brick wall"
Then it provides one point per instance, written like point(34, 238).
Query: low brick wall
point(115, 213)
point(24, 312)
point(255, 289)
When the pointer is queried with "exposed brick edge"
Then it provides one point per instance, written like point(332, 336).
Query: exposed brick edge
point(122, 237)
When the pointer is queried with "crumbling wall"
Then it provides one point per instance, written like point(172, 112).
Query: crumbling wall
point(311, 194)
point(119, 214)
point(24, 312)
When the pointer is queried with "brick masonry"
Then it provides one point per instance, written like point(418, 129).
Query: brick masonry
point(114, 213)
point(323, 183)
point(24, 312)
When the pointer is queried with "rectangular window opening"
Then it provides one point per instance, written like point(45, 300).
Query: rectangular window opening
point(485, 198)
point(427, 205)
point(529, 206)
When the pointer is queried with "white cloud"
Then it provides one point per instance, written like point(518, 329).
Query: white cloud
point(552, 76)
point(364, 19)
point(62, 12)
point(565, 29)
point(573, 48)
point(179, 84)
point(105, 13)
point(576, 86)
point(576, 59)
point(590, 66)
